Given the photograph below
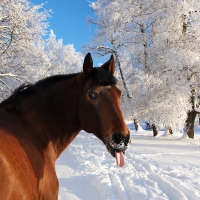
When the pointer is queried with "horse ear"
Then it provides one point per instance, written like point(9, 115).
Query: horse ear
point(109, 65)
point(88, 64)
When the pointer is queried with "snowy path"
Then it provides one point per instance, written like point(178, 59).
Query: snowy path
point(156, 168)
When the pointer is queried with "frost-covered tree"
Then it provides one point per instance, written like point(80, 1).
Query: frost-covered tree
point(22, 26)
point(25, 56)
point(178, 49)
point(63, 58)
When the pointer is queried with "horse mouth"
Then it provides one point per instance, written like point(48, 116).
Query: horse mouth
point(112, 150)
point(118, 150)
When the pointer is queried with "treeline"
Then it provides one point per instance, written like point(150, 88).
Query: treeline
point(156, 44)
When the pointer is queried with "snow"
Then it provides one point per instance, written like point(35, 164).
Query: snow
point(156, 168)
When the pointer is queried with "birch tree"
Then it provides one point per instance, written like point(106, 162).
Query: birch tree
point(181, 54)
point(110, 38)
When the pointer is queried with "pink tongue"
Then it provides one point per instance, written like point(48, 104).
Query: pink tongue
point(119, 159)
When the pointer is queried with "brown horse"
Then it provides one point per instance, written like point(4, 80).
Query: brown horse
point(37, 122)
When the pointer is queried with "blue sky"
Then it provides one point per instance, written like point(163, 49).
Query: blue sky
point(68, 21)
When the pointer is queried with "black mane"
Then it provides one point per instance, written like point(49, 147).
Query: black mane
point(39, 86)
point(98, 76)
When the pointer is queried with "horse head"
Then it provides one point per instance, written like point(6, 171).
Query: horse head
point(100, 110)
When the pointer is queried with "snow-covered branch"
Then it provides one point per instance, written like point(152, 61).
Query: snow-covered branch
point(108, 49)
point(11, 75)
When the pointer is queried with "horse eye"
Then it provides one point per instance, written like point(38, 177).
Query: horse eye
point(92, 95)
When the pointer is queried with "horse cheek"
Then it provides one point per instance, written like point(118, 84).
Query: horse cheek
point(86, 117)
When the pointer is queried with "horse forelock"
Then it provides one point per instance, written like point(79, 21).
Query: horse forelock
point(102, 77)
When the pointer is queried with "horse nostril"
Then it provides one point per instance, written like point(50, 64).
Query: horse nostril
point(127, 140)
point(117, 137)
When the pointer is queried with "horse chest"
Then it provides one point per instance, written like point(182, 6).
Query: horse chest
point(48, 185)
point(24, 173)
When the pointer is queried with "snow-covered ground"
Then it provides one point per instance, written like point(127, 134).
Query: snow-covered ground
point(155, 168)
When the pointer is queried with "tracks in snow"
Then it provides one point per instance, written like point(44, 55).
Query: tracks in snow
point(168, 172)
point(156, 168)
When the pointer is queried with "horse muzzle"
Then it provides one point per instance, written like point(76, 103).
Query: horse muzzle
point(117, 146)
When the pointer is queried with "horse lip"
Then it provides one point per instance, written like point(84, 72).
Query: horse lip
point(112, 150)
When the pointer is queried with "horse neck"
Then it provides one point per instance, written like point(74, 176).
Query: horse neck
point(53, 120)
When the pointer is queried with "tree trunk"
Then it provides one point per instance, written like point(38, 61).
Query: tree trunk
point(170, 131)
point(155, 130)
point(190, 123)
point(145, 47)
point(136, 124)
point(123, 77)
